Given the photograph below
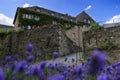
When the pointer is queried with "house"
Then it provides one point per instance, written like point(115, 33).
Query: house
point(84, 17)
point(6, 27)
point(34, 17)
point(108, 25)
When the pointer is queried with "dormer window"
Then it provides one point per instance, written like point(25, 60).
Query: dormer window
point(38, 10)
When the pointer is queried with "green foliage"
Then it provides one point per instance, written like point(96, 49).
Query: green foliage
point(9, 75)
point(68, 27)
point(44, 19)
point(94, 26)
point(107, 44)
point(5, 32)
point(90, 77)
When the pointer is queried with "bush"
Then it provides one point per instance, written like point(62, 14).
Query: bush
point(5, 32)
point(94, 26)
point(107, 44)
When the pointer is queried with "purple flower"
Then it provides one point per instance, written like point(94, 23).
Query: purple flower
point(51, 66)
point(16, 57)
point(28, 53)
point(73, 60)
point(104, 76)
point(97, 62)
point(56, 77)
point(30, 58)
point(37, 71)
point(7, 58)
point(55, 55)
point(28, 73)
point(65, 59)
point(2, 75)
point(22, 66)
point(42, 64)
point(79, 69)
point(30, 47)
point(14, 66)
point(38, 54)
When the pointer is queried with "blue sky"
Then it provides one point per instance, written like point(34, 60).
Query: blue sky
point(100, 10)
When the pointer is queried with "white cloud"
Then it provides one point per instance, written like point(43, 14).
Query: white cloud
point(5, 20)
point(88, 7)
point(114, 19)
point(26, 5)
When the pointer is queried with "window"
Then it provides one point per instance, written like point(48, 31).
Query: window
point(88, 21)
point(85, 20)
point(37, 18)
point(29, 17)
point(38, 10)
point(61, 16)
point(52, 14)
point(71, 19)
point(54, 22)
point(24, 15)
point(29, 27)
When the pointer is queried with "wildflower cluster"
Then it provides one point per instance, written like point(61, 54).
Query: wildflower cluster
point(94, 68)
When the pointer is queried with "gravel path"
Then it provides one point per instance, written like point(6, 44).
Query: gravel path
point(62, 59)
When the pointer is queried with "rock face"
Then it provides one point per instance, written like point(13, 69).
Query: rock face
point(45, 40)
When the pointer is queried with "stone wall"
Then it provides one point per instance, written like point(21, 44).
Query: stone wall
point(75, 34)
point(92, 39)
point(45, 40)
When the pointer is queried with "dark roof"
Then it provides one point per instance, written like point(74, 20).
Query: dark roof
point(83, 15)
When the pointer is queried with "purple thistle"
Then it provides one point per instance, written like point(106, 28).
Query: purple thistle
point(55, 55)
point(30, 47)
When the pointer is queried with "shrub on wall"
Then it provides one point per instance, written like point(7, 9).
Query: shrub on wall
point(107, 44)
point(94, 26)
point(5, 32)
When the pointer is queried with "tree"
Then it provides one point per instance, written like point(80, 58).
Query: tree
point(94, 26)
